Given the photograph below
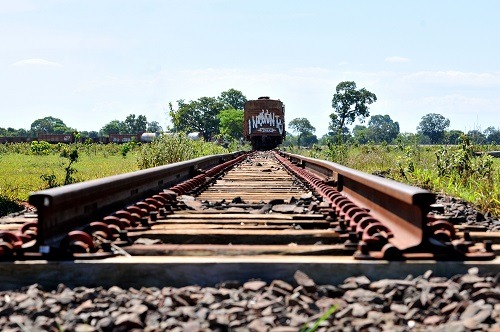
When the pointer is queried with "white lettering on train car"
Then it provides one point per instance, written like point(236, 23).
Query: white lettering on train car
point(267, 119)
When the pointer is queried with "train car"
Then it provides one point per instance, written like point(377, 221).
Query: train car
point(13, 139)
point(264, 123)
point(56, 138)
point(124, 138)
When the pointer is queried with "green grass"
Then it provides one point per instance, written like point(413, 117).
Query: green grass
point(22, 165)
point(458, 174)
point(21, 173)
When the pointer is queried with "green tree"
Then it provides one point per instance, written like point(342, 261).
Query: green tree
point(197, 116)
point(302, 127)
point(476, 136)
point(361, 134)
point(154, 127)
point(453, 136)
point(231, 123)
point(433, 125)
point(308, 139)
point(381, 128)
point(49, 125)
point(135, 125)
point(233, 99)
point(349, 104)
point(113, 127)
point(492, 135)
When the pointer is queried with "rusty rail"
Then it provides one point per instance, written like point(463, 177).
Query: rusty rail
point(64, 209)
point(390, 219)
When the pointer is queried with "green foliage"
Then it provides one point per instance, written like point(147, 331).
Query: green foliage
point(349, 104)
point(406, 162)
point(40, 148)
point(382, 129)
point(50, 180)
point(197, 116)
point(231, 124)
point(233, 99)
point(127, 147)
point(72, 156)
point(202, 115)
point(303, 128)
point(131, 125)
point(21, 169)
point(433, 125)
point(461, 164)
point(337, 153)
point(69, 152)
point(453, 170)
point(169, 149)
point(49, 125)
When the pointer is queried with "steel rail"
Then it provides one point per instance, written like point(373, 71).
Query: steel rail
point(400, 207)
point(64, 209)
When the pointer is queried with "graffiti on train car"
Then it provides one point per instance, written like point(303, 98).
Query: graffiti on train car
point(265, 122)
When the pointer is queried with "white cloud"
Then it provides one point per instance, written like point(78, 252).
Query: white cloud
point(35, 62)
point(454, 78)
point(397, 59)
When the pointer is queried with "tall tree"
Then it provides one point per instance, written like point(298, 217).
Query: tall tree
point(453, 136)
point(492, 135)
point(136, 125)
point(302, 127)
point(233, 99)
point(154, 127)
point(231, 123)
point(47, 125)
point(476, 136)
point(114, 127)
point(382, 129)
point(433, 125)
point(361, 134)
point(200, 115)
point(349, 104)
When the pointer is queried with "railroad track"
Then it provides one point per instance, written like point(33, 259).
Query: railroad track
point(241, 208)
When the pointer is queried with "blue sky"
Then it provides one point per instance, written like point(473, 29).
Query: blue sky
point(89, 62)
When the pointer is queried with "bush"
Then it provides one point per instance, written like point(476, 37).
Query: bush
point(40, 148)
point(169, 149)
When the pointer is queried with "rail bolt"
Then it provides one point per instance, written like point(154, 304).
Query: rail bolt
point(78, 242)
point(30, 230)
point(442, 230)
point(390, 252)
point(100, 229)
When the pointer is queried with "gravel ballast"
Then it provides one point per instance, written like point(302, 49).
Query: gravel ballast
point(469, 302)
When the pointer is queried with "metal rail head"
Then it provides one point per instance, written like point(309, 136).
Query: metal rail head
point(390, 219)
point(72, 207)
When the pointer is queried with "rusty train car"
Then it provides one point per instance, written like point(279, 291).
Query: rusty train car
point(56, 138)
point(264, 123)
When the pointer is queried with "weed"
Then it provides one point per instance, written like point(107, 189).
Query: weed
point(320, 320)
point(169, 149)
point(50, 180)
point(337, 152)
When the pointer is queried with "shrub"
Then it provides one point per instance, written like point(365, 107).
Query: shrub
point(40, 148)
point(169, 149)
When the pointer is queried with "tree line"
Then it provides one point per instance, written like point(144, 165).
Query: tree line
point(350, 104)
point(52, 125)
point(222, 117)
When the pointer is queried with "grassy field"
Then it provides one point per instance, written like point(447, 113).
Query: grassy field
point(21, 174)
point(450, 170)
point(26, 168)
